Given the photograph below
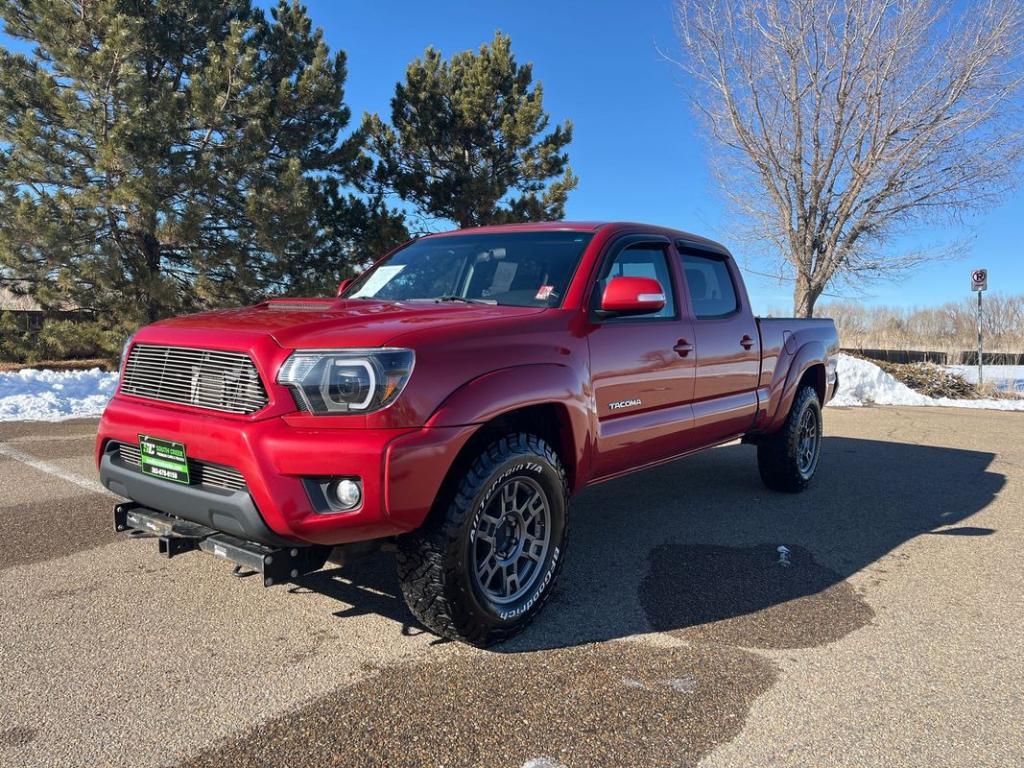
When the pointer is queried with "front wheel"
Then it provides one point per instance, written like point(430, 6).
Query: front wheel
point(788, 459)
point(482, 566)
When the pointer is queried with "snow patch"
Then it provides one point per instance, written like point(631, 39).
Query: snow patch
point(543, 762)
point(1007, 378)
point(864, 383)
point(31, 395)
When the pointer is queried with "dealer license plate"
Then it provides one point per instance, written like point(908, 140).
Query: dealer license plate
point(165, 459)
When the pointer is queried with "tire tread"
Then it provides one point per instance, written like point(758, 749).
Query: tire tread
point(776, 454)
point(426, 557)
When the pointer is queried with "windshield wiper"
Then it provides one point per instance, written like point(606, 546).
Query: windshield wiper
point(463, 300)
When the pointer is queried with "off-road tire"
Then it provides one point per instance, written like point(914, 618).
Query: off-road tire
point(779, 455)
point(436, 564)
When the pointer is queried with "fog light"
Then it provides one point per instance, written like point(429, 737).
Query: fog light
point(345, 493)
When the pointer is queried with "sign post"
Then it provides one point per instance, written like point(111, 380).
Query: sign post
point(979, 284)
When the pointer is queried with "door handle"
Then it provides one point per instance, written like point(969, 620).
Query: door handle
point(683, 347)
point(746, 342)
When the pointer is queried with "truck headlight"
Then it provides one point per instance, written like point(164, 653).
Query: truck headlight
point(348, 380)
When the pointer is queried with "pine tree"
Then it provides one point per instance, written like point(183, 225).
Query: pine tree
point(157, 157)
point(465, 141)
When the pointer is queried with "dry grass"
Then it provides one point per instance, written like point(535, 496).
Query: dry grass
point(929, 379)
point(990, 390)
point(935, 381)
point(951, 328)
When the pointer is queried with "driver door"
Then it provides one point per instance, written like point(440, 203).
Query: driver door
point(642, 367)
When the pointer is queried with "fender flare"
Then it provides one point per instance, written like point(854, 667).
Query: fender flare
point(810, 354)
point(505, 390)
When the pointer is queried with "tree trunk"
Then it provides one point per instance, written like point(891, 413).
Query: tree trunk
point(149, 247)
point(805, 295)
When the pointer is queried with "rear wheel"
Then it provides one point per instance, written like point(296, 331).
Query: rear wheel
point(482, 567)
point(788, 459)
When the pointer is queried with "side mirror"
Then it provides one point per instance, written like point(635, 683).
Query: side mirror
point(343, 285)
point(632, 296)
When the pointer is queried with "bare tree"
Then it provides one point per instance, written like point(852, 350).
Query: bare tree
point(838, 125)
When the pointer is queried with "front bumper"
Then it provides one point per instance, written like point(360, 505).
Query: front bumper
point(401, 471)
point(233, 512)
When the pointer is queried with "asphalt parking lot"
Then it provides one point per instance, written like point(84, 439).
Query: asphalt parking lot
point(675, 637)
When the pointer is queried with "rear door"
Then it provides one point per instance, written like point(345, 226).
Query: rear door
point(727, 345)
point(642, 367)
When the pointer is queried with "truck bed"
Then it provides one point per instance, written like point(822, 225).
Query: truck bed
point(784, 337)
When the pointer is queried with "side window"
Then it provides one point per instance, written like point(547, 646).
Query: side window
point(712, 292)
point(644, 261)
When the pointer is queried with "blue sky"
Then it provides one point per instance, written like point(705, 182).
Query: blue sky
point(637, 149)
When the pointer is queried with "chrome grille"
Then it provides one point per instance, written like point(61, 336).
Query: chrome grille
point(205, 378)
point(199, 472)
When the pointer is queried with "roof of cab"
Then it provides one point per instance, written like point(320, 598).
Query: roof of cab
point(589, 226)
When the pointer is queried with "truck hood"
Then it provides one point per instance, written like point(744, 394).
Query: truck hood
point(337, 323)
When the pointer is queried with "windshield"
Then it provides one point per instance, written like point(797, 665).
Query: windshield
point(520, 269)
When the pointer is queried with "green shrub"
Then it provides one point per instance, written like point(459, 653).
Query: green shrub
point(58, 340)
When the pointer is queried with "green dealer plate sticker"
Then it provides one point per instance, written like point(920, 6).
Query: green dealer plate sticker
point(164, 459)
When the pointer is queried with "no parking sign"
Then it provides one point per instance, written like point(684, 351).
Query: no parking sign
point(979, 280)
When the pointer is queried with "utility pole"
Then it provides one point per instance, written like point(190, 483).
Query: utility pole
point(979, 284)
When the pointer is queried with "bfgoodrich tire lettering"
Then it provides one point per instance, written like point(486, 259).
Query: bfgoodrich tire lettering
point(519, 479)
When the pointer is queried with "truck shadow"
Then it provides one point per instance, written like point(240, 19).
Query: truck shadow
point(691, 547)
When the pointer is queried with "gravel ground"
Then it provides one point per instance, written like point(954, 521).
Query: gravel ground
point(895, 637)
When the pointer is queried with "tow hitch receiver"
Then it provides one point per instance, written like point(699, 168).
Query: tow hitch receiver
point(176, 536)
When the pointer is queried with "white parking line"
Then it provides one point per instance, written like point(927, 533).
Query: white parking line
point(6, 449)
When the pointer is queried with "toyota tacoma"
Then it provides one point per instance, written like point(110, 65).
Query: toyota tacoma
point(449, 401)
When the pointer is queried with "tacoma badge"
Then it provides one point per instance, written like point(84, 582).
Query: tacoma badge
point(625, 404)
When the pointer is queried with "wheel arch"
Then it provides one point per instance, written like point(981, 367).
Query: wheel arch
point(549, 421)
point(551, 401)
point(814, 376)
point(808, 366)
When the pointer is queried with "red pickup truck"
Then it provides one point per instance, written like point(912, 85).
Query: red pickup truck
point(449, 401)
